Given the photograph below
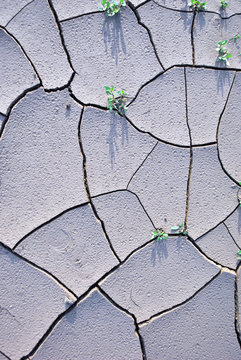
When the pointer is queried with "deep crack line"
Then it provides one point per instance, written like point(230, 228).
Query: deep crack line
point(191, 155)
point(46, 272)
point(87, 188)
point(10, 108)
point(174, 307)
point(192, 37)
point(236, 304)
point(24, 52)
point(128, 313)
point(5, 355)
point(60, 34)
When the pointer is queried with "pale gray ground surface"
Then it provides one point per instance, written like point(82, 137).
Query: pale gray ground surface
point(82, 189)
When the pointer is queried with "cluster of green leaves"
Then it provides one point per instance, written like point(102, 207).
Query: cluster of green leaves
point(159, 234)
point(235, 37)
point(112, 7)
point(224, 54)
point(179, 228)
point(116, 100)
point(223, 4)
point(197, 5)
point(239, 254)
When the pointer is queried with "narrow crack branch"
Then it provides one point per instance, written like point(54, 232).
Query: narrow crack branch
point(141, 164)
point(153, 317)
point(148, 31)
point(19, 12)
point(88, 191)
point(191, 155)
point(48, 222)
point(219, 122)
point(231, 235)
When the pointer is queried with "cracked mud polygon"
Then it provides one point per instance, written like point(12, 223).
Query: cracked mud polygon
point(82, 188)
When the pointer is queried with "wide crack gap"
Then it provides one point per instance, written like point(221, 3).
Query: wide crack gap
point(11, 106)
point(191, 155)
point(219, 122)
point(48, 273)
point(24, 52)
point(236, 304)
point(192, 37)
point(55, 15)
point(128, 313)
point(148, 31)
point(88, 190)
point(153, 317)
point(141, 164)
point(19, 12)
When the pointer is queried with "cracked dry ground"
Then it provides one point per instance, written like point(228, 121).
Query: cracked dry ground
point(82, 189)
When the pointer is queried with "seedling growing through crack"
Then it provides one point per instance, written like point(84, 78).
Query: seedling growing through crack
point(224, 54)
point(179, 228)
point(239, 254)
point(112, 7)
point(116, 100)
point(197, 5)
point(159, 234)
point(223, 4)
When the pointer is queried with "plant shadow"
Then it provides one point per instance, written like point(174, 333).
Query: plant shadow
point(118, 128)
point(114, 36)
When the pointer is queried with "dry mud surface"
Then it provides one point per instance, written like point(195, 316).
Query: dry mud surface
point(82, 188)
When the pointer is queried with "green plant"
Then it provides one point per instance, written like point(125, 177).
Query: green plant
point(197, 5)
point(239, 254)
point(237, 36)
point(224, 55)
point(116, 100)
point(179, 228)
point(112, 7)
point(223, 4)
point(159, 234)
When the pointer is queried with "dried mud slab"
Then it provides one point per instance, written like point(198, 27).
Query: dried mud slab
point(41, 165)
point(95, 329)
point(17, 74)
point(203, 328)
point(107, 51)
point(36, 30)
point(158, 277)
point(171, 33)
point(30, 302)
